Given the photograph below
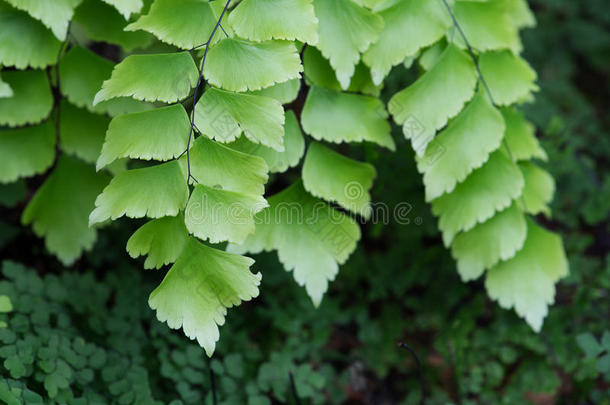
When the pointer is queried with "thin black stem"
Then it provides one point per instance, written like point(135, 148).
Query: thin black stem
point(422, 385)
point(223, 30)
point(293, 389)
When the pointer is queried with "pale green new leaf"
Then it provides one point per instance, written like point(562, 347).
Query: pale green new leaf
point(409, 25)
point(462, 147)
point(285, 92)
point(311, 238)
point(25, 42)
point(345, 30)
point(538, 190)
point(126, 7)
point(482, 247)
point(27, 151)
point(198, 289)
point(432, 54)
point(32, 100)
point(261, 20)
point(5, 89)
point(527, 281)
point(223, 116)
point(166, 77)
point(159, 134)
point(336, 178)
point(60, 208)
point(438, 95)
point(161, 239)
point(221, 215)
point(229, 64)
point(520, 14)
point(294, 147)
point(487, 190)
point(54, 14)
point(509, 77)
point(520, 136)
point(183, 23)
point(81, 133)
point(341, 117)
point(154, 191)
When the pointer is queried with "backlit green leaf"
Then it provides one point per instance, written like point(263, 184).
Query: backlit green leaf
point(56, 14)
point(538, 190)
point(126, 7)
point(27, 151)
point(81, 133)
point(32, 100)
point(509, 77)
point(285, 92)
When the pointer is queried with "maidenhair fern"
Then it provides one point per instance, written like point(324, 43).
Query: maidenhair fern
point(204, 109)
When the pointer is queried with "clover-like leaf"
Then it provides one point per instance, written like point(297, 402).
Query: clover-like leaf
point(154, 191)
point(337, 178)
point(161, 239)
point(81, 133)
point(126, 7)
point(223, 116)
point(509, 77)
point(261, 20)
point(166, 77)
point(520, 136)
point(159, 134)
point(56, 14)
point(527, 281)
point(275, 61)
point(60, 208)
point(26, 151)
point(538, 190)
point(342, 117)
point(32, 100)
point(198, 289)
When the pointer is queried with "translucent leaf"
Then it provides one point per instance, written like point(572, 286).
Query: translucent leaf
point(432, 54)
point(154, 191)
point(462, 147)
point(81, 133)
point(341, 117)
point(311, 238)
point(126, 7)
point(482, 247)
point(56, 14)
point(538, 191)
point(221, 215)
point(508, 76)
point(527, 281)
point(32, 100)
point(285, 92)
point(520, 14)
point(166, 77)
point(183, 23)
point(219, 166)
point(408, 26)
point(334, 177)
point(486, 191)
point(438, 95)
point(345, 30)
point(294, 146)
point(228, 64)
point(198, 289)
point(27, 151)
point(5, 89)
point(60, 208)
point(261, 20)
point(223, 115)
point(521, 136)
point(162, 239)
point(159, 134)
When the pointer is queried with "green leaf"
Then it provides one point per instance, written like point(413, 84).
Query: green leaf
point(5, 89)
point(32, 100)
point(538, 190)
point(311, 238)
point(25, 152)
point(56, 15)
point(166, 77)
point(336, 178)
point(25, 42)
point(219, 166)
point(417, 108)
point(81, 133)
point(162, 239)
point(278, 162)
point(198, 289)
point(589, 345)
point(154, 191)
point(183, 23)
point(275, 61)
point(220, 215)
point(527, 281)
point(520, 136)
point(159, 134)
point(261, 20)
point(432, 54)
point(61, 206)
point(482, 247)
point(487, 190)
point(520, 14)
point(126, 7)
point(285, 92)
point(5, 304)
point(341, 117)
point(463, 146)
point(408, 26)
point(509, 77)
point(345, 31)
